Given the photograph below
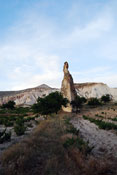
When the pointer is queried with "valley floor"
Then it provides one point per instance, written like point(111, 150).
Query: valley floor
point(55, 147)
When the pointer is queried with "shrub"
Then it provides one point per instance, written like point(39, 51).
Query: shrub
point(77, 103)
point(69, 142)
point(72, 130)
point(94, 102)
point(99, 116)
point(106, 98)
point(4, 136)
point(114, 119)
point(7, 122)
point(83, 99)
point(19, 127)
point(9, 105)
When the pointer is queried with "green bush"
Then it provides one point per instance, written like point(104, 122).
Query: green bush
point(114, 119)
point(94, 102)
point(99, 116)
point(83, 99)
point(73, 130)
point(106, 98)
point(7, 122)
point(2, 111)
point(4, 136)
point(9, 105)
point(19, 127)
point(69, 142)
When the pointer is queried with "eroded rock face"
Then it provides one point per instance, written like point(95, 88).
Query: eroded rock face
point(89, 90)
point(67, 88)
point(26, 97)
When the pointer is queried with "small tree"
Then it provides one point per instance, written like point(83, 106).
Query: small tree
point(106, 98)
point(50, 104)
point(77, 103)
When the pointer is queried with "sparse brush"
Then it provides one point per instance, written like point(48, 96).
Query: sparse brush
point(45, 153)
point(72, 129)
point(78, 143)
point(101, 124)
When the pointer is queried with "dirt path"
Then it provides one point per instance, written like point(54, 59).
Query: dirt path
point(104, 142)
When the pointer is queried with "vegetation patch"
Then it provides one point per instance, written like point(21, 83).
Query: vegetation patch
point(114, 119)
point(78, 143)
point(106, 98)
point(94, 102)
point(100, 116)
point(19, 127)
point(78, 102)
point(5, 136)
point(101, 124)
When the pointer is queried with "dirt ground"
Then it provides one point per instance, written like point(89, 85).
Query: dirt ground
point(103, 141)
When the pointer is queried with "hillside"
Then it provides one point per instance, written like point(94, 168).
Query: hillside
point(27, 96)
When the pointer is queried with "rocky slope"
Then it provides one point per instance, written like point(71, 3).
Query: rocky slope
point(104, 142)
point(29, 96)
point(26, 97)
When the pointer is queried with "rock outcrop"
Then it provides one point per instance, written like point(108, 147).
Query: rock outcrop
point(67, 88)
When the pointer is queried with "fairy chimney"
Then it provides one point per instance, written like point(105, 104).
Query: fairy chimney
point(67, 88)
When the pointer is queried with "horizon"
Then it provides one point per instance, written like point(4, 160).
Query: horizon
point(38, 36)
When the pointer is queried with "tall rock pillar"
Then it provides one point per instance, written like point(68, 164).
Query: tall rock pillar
point(67, 88)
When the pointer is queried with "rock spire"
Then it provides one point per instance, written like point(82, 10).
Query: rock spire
point(67, 88)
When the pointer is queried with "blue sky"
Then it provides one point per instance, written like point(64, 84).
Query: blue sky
point(37, 36)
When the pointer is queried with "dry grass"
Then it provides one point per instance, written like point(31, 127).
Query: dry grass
point(106, 112)
point(90, 165)
point(43, 154)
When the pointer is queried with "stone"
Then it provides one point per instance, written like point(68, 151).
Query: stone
point(67, 88)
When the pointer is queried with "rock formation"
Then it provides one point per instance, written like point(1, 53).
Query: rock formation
point(67, 88)
point(26, 97)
